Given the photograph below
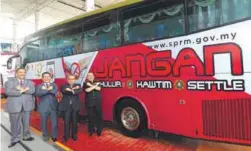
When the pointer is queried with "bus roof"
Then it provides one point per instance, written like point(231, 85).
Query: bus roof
point(97, 11)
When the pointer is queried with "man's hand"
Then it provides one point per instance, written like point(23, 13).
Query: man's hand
point(19, 88)
point(68, 89)
point(76, 87)
point(26, 89)
point(43, 87)
point(89, 84)
point(50, 88)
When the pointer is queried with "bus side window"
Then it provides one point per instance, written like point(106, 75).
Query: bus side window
point(233, 10)
point(33, 51)
point(30, 52)
point(210, 13)
point(48, 48)
point(24, 56)
point(69, 42)
point(198, 14)
point(102, 33)
point(153, 20)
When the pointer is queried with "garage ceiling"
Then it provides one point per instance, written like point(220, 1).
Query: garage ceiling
point(50, 11)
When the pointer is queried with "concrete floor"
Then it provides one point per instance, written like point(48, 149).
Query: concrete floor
point(37, 145)
point(5, 140)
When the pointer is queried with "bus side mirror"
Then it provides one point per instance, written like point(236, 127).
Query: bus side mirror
point(13, 62)
point(9, 63)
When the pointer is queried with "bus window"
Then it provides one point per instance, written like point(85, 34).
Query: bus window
point(24, 56)
point(33, 51)
point(30, 52)
point(233, 10)
point(203, 14)
point(101, 34)
point(70, 42)
point(210, 13)
point(153, 21)
point(48, 48)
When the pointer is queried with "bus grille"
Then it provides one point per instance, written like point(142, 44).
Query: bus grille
point(230, 119)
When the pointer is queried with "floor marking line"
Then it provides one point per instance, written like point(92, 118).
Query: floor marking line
point(21, 143)
point(37, 132)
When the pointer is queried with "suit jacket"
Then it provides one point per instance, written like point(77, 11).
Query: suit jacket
point(16, 100)
point(47, 99)
point(69, 96)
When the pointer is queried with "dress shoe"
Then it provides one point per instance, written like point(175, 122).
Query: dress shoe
point(13, 144)
point(54, 139)
point(28, 139)
point(64, 140)
point(99, 133)
point(45, 138)
point(89, 134)
point(74, 138)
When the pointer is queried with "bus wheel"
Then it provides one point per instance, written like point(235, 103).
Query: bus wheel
point(131, 118)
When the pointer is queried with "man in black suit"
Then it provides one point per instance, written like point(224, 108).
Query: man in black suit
point(93, 103)
point(70, 105)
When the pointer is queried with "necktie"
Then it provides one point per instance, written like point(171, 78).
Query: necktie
point(71, 96)
point(22, 83)
point(47, 86)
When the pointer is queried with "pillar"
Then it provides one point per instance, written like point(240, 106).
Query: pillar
point(14, 35)
point(90, 5)
point(14, 30)
point(36, 20)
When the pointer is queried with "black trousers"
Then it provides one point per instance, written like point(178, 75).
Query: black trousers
point(70, 119)
point(94, 114)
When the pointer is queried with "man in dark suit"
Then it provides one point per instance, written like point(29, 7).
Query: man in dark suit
point(48, 104)
point(93, 103)
point(20, 103)
point(70, 106)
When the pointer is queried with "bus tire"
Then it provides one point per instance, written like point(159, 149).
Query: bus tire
point(131, 118)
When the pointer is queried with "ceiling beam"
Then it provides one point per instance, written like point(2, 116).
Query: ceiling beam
point(96, 5)
point(76, 7)
point(29, 10)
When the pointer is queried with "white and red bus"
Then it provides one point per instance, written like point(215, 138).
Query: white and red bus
point(4, 72)
point(174, 66)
